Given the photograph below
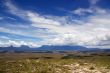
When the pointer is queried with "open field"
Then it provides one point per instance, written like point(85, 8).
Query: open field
point(53, 63)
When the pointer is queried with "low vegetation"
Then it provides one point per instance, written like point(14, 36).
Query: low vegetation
point(53, 63)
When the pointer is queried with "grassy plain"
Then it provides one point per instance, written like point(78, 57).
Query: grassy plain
point(53, 63)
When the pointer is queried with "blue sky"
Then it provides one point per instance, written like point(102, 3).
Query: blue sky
point(55, 22)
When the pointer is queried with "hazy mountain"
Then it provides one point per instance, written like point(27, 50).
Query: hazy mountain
point(48, 48)
point(74, 48)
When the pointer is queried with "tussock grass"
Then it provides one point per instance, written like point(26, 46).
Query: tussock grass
point(49, 64)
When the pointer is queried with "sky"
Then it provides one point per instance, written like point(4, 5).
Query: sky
point(55, 22)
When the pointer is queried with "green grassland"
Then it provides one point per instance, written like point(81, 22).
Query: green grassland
point(51, 63)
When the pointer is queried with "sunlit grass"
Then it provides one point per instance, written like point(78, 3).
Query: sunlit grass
point(52, 65)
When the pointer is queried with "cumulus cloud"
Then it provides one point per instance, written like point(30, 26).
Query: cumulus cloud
point(92, 31)
point(18, 43)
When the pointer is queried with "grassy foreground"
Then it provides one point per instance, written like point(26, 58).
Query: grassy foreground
point(54, 64)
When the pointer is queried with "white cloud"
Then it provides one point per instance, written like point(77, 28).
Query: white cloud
point(93, 2)
point(92, 10)
point(1, 18)
point(11, 18)
point(82, 11)
point(35, 18)
point(14, 10)
point(18, 43)
point(95, 31)
point(91, 31)
point(24, 31)
point(4, 37)
point(12, 31)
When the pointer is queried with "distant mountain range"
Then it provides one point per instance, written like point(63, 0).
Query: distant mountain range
point(50, 48)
